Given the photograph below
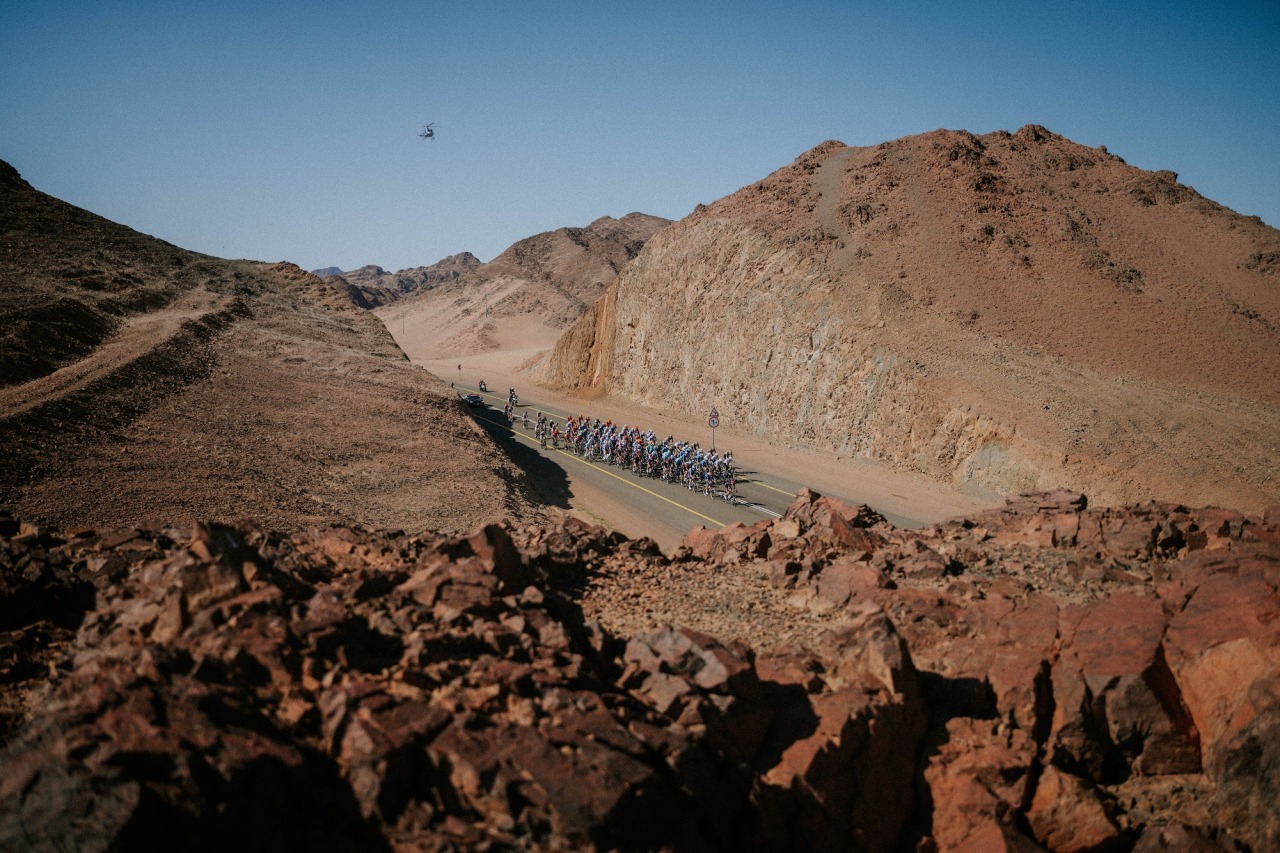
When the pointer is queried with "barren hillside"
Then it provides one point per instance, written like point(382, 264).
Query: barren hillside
point(524, 297)
point(1013, 311)
point(139, 381)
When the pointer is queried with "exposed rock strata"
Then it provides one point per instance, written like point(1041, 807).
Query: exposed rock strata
point(1014, 311)
point(1046, 676)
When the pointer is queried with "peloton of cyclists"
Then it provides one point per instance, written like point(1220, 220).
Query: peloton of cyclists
point(670, 460)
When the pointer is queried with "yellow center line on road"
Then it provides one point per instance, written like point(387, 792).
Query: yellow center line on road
point(611, 474)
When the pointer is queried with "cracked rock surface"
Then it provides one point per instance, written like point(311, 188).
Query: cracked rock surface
point(1043, 676)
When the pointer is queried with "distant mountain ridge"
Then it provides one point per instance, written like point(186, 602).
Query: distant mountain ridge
point(371, 286)
point(1011, 311)
point(534, 289)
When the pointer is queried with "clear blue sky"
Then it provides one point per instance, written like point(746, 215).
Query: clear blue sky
point(287, 130)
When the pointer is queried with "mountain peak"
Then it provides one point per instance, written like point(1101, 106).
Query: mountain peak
point(968, 306)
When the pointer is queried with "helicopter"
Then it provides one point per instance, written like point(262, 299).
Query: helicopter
point(427, 132)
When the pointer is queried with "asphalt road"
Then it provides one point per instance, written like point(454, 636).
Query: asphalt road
point(761, 494)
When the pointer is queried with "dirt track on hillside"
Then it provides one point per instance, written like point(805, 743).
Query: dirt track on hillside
point(139, 335)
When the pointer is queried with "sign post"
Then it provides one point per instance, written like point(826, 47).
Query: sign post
point(713, 421)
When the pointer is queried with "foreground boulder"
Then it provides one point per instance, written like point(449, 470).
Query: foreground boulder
point(1096, 678)
point(1045, 676)
point(351, 689)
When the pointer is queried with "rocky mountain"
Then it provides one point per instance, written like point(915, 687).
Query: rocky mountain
point(140, 381)
point(1011, 311)
point(252, 593)
point(326, 272)
point(1046, 676)
point(371, 286)
point(533, 290)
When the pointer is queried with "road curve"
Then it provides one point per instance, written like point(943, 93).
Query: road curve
point(669, 509)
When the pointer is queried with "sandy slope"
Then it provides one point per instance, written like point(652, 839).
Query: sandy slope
point(526, 296)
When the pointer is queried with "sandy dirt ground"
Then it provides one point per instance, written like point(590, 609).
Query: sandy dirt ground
point(910, 495)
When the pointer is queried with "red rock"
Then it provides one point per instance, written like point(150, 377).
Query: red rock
point(1038, 531)
point(791, 665)
point(1006, 643)
point(583, 793)
point(1115, 697)
point(492, 543)
point(843, 580)
point(869, 647)
point(830, 522)
point(1220, 527)
point(783, 573)
point(1226, 638)
point(1020, 661)
point(375, 739)
point(1223, 649)
point(856, 765)
point(855, 768)
point(664, 692)
point(1068, 816)
point(1243, 769)
point(700, 543)
point(747, 541)
point(732, 543)
point(991, 836)
point(977, 782)
point(464, 702)
point(782, 532)
point(927, 564)
point(108, 541)
point(703, 660)
point(811, 760)
point(1128, 534)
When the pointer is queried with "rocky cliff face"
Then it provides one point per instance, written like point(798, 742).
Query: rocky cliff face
point(1045, 676)
point(1014, 311)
